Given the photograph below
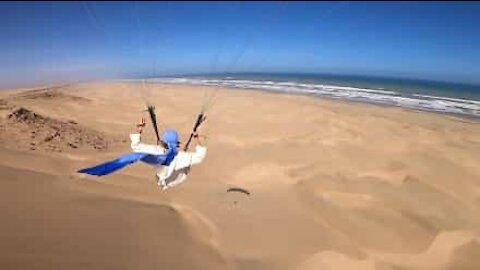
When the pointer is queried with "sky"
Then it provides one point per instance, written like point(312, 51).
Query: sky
point(51, 42)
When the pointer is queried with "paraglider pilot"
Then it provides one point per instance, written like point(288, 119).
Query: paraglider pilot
point(174, 168)
point(171, 165)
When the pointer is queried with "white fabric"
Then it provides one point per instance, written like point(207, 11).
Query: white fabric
point(137, 146)
point(176, 172)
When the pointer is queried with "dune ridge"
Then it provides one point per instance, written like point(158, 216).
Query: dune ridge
point(331, 184)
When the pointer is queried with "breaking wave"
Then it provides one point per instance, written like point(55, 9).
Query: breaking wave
point(381, 96)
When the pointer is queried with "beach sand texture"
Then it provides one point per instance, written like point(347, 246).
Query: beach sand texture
point(333, 184)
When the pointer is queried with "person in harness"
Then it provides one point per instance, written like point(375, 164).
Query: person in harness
point(171, 165)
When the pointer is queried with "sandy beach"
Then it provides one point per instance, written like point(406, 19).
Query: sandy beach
point(333, 184)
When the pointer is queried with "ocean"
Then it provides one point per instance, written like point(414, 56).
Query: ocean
point(463, 99)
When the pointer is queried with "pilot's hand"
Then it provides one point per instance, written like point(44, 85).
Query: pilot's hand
point(141, 125)
point(197, 136)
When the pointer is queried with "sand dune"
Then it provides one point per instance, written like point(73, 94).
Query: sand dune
point(333, 185)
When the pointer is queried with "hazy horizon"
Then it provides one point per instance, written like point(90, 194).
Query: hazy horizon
point(57, 42)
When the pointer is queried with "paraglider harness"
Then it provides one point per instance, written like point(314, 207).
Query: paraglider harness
point(200, 119)
point(165, 159)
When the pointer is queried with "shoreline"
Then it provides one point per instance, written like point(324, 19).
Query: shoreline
point(456, 116)
point(451, 115)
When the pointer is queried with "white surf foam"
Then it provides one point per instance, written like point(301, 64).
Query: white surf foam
point(414, 101)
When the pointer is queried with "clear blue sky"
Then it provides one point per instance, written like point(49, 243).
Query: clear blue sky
point(49, 42)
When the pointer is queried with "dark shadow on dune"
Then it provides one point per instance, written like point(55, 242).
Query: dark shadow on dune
point(51, 93)
point(52, 134)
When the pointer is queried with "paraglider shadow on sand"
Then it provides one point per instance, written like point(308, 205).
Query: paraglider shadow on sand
point(240, 190)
